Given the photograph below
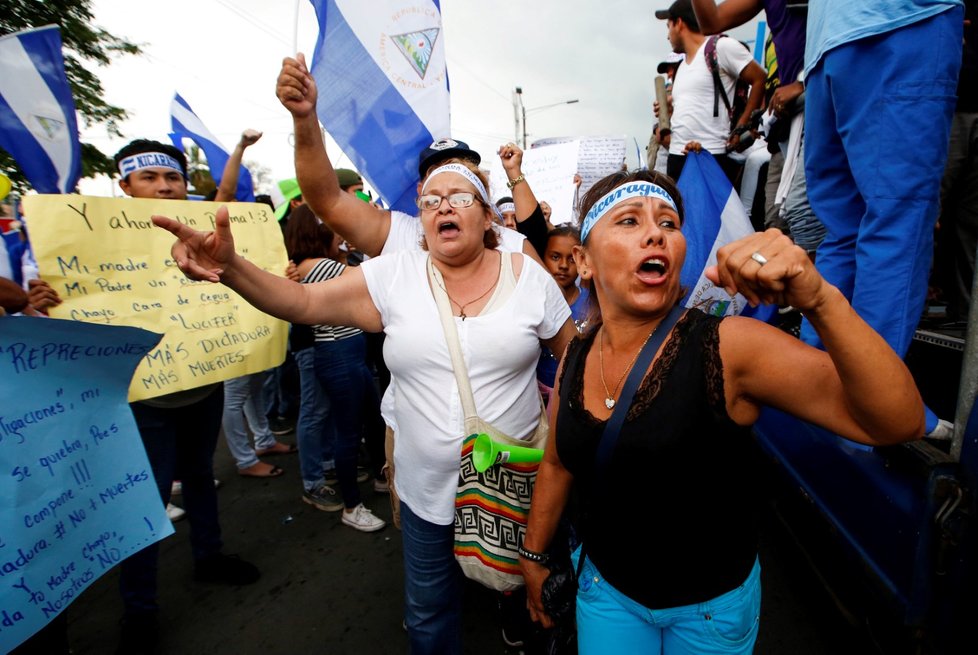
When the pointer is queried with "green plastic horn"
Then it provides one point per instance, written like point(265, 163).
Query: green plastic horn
point(486, 453)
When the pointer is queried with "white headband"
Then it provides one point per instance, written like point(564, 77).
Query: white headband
point(137, 162)
point(507, 207)
point(468, 175)
point(618, 194)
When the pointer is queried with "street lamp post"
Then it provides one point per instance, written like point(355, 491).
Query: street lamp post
point(518, 106)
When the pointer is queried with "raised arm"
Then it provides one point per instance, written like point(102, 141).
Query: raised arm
point(232, 169)
point(714, 18)
point(858, 387)
point(530, 221)
point(359, 222)
point(210, 256)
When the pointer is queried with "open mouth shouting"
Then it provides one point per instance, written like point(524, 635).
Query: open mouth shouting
point(653, 270)
point(448, 228)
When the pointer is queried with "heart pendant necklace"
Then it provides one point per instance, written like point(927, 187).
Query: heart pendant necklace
point(609, 400)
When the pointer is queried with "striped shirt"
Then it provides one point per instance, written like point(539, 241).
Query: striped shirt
point(327, 269)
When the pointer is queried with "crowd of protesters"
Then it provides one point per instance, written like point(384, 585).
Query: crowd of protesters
point(846, 214)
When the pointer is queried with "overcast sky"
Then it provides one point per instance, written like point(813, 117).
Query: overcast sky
point(223, 57)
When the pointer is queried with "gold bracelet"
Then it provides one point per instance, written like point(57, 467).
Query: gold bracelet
point(513, 183)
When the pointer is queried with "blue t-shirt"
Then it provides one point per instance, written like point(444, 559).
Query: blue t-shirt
point(832, 23)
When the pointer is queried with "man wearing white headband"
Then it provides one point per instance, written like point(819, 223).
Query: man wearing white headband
point(179, 432)
point(150, 169)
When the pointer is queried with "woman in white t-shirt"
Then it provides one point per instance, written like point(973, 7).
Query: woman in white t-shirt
point(506, 306)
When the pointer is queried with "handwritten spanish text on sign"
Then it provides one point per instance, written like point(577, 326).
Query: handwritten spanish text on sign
point(111, 265)
point(77, 494)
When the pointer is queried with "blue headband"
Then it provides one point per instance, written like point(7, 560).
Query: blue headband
point(133, 163)
point(619, 194)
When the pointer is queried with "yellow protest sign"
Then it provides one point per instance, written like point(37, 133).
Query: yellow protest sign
point(110, 264)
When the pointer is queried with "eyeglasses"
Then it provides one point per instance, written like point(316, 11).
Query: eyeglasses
point(432, 202)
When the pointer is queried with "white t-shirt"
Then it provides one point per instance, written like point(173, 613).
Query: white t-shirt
point(500, 348)
point(406, 233)
point(692, 97)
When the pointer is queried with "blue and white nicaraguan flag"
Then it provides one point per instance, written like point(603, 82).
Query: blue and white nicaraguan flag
point(38, 126)
point(185, 123)
point(380, 71)
point(715, 216)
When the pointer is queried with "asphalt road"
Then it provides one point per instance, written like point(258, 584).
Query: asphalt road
point(328, 589)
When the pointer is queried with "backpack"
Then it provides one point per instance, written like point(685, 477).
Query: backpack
point(741, 90)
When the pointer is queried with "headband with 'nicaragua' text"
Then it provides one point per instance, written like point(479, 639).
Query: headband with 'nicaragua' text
point(618, 194)
point(137, 162)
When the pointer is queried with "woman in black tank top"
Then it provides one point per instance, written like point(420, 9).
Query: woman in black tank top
point(682, 471)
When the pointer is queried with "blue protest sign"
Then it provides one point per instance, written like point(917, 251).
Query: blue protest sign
point(77, 494)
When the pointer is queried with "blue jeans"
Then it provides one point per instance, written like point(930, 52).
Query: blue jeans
point(341, 367)
point(608, 621)
point(277, 398)
point(314, 430)
point(179, 444)
point(876, 194)
point(806, 230)
point(432, 586)
point(242, 400)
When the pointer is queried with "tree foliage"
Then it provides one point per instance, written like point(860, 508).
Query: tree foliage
point(83, 43)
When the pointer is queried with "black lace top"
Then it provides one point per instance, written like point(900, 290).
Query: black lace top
point(677, 523)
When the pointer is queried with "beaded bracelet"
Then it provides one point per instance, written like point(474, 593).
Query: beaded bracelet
point(539, 558)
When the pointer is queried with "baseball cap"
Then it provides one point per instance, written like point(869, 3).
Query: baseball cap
point(680, 9)
point(443, 149)
point(673, 59)
point(348, 178)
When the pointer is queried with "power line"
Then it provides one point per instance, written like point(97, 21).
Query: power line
point(254, 20)
point(468, 71)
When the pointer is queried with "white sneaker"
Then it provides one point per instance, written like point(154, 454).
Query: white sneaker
point(174, 513)
point(943, 431)
point(362, 519)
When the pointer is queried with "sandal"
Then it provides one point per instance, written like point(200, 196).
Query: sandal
point(278, 449)
point(258, 471)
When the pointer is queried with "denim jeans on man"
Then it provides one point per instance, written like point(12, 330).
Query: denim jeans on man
point(179, 443)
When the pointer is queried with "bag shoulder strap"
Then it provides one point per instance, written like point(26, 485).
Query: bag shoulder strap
point(613, 427)
point(451, 338)
point(713, 64)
